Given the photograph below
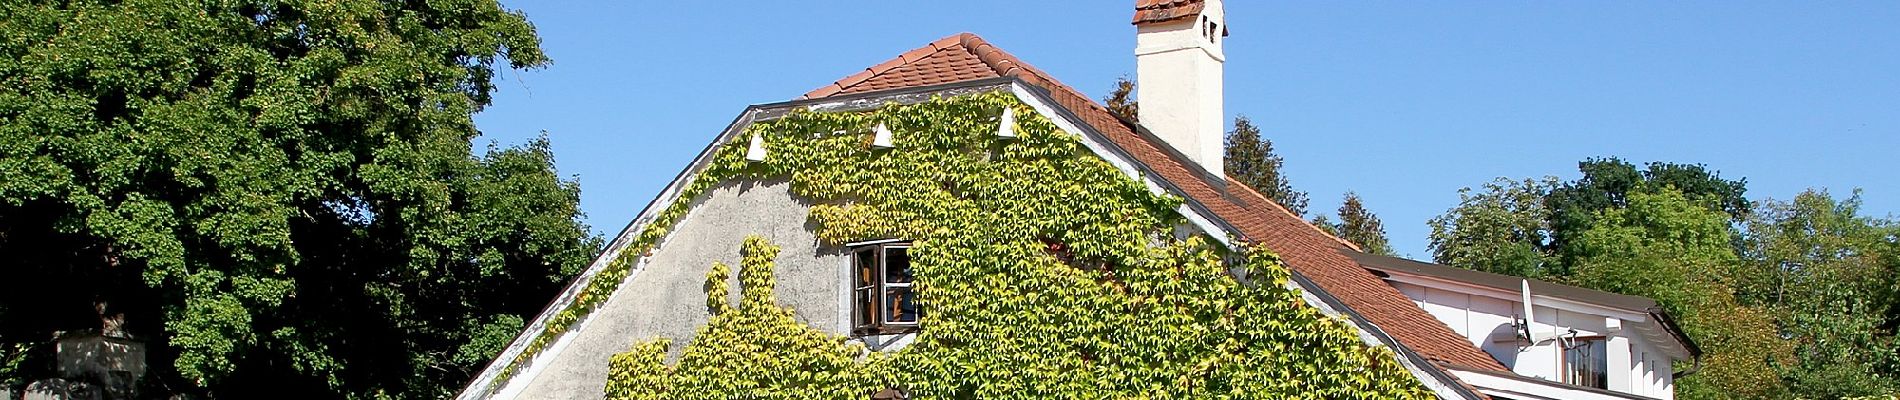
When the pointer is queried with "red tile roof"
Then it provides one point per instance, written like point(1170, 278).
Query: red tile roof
point(1152, 11)
point(1313, 253)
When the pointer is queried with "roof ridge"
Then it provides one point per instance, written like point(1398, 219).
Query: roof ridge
point(928, 49)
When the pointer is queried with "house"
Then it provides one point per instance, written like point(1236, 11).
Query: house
point(1588, 344)
point(955, 202)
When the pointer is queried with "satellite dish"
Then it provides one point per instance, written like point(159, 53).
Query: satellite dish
point(1523, 328)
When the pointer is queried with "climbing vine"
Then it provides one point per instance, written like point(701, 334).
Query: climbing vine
point(1044, 272)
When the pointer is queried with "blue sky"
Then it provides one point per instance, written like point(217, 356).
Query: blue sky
point(1403, 102)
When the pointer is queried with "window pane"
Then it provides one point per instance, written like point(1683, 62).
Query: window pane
point(897, 265)
point(865, 305)
point(900, 305)
point(1586, 363)
point(866, 267)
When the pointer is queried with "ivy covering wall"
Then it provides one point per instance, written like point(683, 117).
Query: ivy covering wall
point(1044, 272)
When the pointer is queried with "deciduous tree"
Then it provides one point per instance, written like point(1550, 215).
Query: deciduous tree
point(1607, 182)
point(1831, 274)
point(1502, 227)
point(1665, 246)
point(277, 196)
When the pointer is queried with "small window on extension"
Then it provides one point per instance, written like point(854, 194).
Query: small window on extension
point(1586, 362)
point(883, 299)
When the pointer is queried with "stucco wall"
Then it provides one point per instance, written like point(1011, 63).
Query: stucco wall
point(666, 297)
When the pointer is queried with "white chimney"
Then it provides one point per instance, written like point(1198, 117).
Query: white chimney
point(1178, 62)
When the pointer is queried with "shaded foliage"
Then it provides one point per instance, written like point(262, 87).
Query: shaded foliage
point(1121, 100)
point(278, 196)
point(1250, 160)
point(1607, 183)
point(1361, 227)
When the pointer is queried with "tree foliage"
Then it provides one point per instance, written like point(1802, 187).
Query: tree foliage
point(1361, 227)
point(1503, 228)
point(1121, 101)
point(1831, 275)
point(277, 196)
point(1606, 183)
point(1011, 241)
point(1795, 298)
point(1664, 246)
point(1250, 160)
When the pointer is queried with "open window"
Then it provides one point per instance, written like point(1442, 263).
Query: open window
point(1586, 362)
point(883, 299)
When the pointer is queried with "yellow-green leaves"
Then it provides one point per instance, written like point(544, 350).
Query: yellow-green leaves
point(1043, 271)
point(755, 351)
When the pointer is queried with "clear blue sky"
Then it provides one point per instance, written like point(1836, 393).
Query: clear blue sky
point(1403, 102)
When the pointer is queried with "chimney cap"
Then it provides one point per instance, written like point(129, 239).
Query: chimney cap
point(1161, 11)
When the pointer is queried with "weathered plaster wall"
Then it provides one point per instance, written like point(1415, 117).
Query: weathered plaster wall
point(666, 297)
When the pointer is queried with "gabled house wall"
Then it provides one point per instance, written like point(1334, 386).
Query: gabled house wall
point(665, 297)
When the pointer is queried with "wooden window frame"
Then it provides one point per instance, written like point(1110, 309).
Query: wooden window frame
point(871, 289)
point(1563, 360)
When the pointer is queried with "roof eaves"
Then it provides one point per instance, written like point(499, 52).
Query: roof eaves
point(1636, 304)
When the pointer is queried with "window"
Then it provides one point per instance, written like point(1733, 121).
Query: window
point(1586, 362)
point(883, 301)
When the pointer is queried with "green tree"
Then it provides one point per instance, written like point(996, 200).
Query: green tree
point(1250, 160)
point(1121, 101)
point(1361, 227)
point(1666, 246)
point(277, 196)
point(1607, 182)
point(1504, 227)
point(1831, 274)
point(1325, 224)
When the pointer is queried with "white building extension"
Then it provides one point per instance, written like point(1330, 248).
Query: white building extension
point(1571, 343)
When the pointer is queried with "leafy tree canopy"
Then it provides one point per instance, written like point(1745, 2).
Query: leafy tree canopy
point(1831, 273)
point(1503, 227)
point(276, 196)
point(1667, 247)
point(1607, 183)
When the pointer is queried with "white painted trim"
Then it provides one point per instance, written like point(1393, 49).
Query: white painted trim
point(1528, 388)
point(847, 292)
point(872, 242)
point(1516, 297)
